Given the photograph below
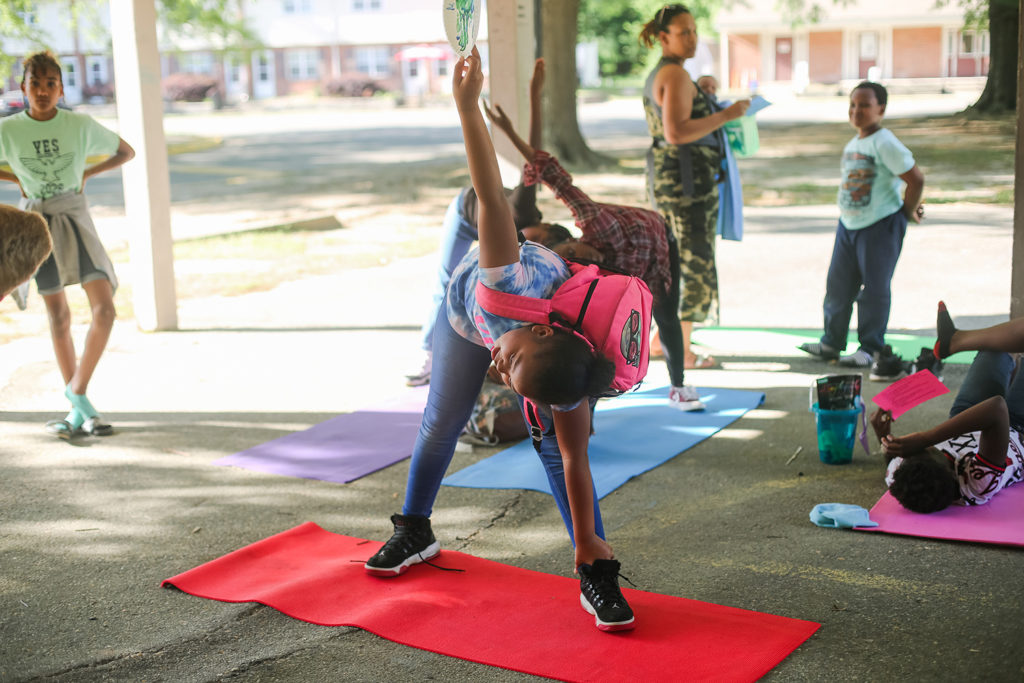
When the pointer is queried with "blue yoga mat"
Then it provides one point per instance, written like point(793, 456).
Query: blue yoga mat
point(634, 433)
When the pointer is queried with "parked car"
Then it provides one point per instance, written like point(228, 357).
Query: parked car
point(11, 102)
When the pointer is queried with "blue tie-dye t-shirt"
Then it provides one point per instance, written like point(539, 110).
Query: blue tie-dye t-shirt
point(539, 273)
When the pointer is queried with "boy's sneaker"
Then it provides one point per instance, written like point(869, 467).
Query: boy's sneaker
point(20, 295)
point(819, 350)
point(685, 398)
point(422, 376)
point(926, 361)
point(600, 595)
point(858, 359)
point(888, 366)
point(413, 542)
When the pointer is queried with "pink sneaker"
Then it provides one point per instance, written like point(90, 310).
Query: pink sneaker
point(685, 398)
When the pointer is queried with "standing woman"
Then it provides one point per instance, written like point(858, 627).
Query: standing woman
point(684, 163)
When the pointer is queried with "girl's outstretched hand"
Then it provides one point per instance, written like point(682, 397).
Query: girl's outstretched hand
point(498, 117)
point(468, 81)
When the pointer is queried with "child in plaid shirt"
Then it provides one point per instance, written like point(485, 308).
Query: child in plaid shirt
point(633, 240)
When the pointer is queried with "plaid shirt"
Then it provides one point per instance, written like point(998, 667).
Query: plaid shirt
point(630, 239)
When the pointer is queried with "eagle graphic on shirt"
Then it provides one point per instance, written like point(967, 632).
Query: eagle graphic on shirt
point(48, 167)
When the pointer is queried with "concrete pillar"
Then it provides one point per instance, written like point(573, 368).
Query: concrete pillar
point(147, 188)
point(1017, 263)
point(512, 48)
point(724, 83)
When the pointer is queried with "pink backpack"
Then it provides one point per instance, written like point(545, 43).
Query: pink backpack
point(611, 311)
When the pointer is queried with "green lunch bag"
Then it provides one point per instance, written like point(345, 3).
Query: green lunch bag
point(742, 136)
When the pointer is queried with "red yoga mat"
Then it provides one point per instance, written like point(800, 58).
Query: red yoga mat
point(496, 614)
point(1000, 521)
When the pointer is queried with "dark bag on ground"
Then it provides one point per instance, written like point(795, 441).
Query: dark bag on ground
point(496, 417)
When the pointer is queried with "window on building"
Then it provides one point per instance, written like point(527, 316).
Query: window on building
point(69, 74)
point(974, 43)
point(263, 68)
point(869, 45)
point(196, 63)
point(96, 70)
point(373, 61)
point(441, 67)
point(366, 5)
point(28, 16)
point(303, 65)
point(297, 6)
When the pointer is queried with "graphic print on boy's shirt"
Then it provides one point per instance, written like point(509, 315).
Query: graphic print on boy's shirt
point(855, 191)
point(47, 164)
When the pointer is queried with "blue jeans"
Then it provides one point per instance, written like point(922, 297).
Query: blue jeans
point(988, 376)
point(457, 236)
point(863, 262)
point(459, 367)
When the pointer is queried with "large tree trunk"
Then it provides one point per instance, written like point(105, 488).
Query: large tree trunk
point(562, 136)
point(1000, 93)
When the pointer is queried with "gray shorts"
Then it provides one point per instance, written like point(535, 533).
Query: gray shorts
point(48, 279)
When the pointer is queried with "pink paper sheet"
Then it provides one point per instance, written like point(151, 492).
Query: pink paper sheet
point(909, 392)
point(1001, 521)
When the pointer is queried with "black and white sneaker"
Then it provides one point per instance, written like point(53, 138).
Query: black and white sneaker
point(888, 366)
point(413, 542)
point(600, 595)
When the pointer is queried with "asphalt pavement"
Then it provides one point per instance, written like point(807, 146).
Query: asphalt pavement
point(88, 529)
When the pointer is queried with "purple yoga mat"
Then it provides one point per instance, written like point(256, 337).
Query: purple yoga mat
point(343, 448)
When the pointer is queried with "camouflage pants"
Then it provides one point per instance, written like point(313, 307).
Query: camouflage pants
point(693, 221)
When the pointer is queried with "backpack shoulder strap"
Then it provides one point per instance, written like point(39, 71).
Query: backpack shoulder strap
point(514, 306)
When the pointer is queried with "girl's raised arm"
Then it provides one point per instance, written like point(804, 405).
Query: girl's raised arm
point(499, 245)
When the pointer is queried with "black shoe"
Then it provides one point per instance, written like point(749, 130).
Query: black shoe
point(888, 366)
point(600, 595)
point(926, 361)
point(413, 542)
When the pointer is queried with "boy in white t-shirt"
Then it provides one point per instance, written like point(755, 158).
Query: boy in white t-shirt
point(872, 223)
point(978, 451)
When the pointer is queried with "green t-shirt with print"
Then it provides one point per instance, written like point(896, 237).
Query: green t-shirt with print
point(49, 157)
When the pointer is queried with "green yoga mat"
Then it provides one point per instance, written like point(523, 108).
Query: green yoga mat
point(770, 341)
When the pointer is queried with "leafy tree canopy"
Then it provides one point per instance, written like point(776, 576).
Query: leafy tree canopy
point(616, 26)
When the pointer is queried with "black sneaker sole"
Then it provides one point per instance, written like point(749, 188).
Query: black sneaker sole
point(429, 553)
point(606, 625)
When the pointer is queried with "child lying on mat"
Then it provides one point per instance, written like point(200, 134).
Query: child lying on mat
point(24, 245)
point(979, 450)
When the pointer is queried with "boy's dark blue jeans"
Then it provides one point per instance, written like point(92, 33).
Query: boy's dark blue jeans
point(863, 262)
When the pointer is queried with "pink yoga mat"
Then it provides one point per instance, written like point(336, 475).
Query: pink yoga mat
point(1000, 521)
point(495, 614)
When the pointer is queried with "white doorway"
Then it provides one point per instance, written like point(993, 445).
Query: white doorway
point(264, 78)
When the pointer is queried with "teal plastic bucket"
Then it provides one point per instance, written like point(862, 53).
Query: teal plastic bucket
point(837, 433)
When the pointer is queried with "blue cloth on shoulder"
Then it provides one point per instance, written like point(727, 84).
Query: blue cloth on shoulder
point(730, 194)
point(840, 516)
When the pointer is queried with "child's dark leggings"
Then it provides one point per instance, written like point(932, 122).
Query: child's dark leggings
point(665, 313)
point(988, 376)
